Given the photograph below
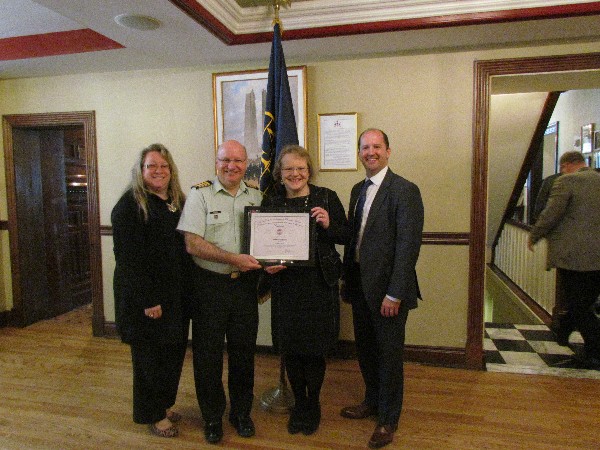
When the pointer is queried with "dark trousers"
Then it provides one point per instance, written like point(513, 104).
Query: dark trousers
point(156, 373)
point(224, 308)
point(581, 290)
point(306, 374)
point(380, 348)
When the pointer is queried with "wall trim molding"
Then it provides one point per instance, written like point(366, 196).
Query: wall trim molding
point(429, 238)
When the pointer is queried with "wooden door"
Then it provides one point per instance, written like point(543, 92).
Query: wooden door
point(33, 283)
point(54, 195)
point(26, 225)
point(51, 179)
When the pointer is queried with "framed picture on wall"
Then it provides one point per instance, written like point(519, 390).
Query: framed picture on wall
point(577, 143)
point(337, 134)
point(587, 132)
point(238, 106)
point(596, 140)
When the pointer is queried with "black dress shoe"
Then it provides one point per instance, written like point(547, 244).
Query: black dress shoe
point(562, 338)
point(243, 425)
point(382, 436)
point(296, 421)
point(213, 431)
point(591, 362)
point(312, 418)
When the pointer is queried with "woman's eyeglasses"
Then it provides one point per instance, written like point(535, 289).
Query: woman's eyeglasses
point(289, 170)
point(153, 166)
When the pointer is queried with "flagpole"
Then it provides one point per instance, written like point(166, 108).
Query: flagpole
point(278, 399)
point(280, 129)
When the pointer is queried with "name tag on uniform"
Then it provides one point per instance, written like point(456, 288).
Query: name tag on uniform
point(217, 217)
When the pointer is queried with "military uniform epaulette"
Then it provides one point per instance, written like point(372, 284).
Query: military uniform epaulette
point(202, 185)
point(253, 187)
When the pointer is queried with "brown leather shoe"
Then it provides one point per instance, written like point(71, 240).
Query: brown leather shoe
point(382, 436)
point(361, 411)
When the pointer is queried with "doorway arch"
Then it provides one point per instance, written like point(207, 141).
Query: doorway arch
point(484, 71)
point(85, 119)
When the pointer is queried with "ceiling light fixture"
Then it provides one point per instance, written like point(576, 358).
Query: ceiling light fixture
point(137, 22)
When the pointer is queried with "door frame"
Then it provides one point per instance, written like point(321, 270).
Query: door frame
point(484, 71)
point(87, 119)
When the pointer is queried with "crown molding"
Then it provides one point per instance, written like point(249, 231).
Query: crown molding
point(331, 13)
point(235, 25)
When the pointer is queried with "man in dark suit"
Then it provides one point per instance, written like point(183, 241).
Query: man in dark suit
point(380, 281)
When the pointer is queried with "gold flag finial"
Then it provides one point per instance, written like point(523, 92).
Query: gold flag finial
point(276, 7)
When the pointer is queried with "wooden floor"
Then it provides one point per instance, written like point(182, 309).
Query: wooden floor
point(61, 388)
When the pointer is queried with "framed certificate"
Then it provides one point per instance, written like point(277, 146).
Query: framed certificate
point(337, 134)
point(280, 236)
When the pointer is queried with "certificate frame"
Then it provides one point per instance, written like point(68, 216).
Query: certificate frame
point(337, 137)
point(253, 212)
point(238, 108)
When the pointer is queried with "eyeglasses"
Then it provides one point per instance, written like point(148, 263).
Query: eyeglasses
point(226, 161)
point(153, 166)
point(289, 170)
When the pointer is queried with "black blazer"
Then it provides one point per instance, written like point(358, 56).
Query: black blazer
point(391, 242)
point(152, 268)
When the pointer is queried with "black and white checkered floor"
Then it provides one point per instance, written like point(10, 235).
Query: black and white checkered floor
point(531, 349)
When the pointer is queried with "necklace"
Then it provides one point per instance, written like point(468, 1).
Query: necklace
point(171, 206)
point(305, 200)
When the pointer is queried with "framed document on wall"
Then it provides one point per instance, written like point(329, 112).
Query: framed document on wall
point(587, 131)
point(338, 149)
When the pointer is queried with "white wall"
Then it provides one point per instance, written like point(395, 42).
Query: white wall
point(574, 109)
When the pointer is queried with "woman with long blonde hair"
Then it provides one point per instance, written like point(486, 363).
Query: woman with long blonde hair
point(150, 286)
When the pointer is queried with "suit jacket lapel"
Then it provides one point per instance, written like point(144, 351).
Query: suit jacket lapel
point(379, 199)
point(353, 199)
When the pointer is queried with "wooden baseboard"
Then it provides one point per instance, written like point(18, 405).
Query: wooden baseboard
point(4, 319)
point(110, 330)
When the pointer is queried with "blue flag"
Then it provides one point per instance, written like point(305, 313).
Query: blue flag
point(279, 122)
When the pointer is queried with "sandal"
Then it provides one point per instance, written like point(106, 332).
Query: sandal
point(170, 432)
point(173, 416)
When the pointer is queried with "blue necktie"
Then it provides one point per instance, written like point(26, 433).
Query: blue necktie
point(360, 205)
point(358, 212)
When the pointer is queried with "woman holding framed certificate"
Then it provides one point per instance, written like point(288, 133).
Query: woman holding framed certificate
point(305, 299)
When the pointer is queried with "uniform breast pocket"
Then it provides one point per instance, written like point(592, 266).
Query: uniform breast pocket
point(217, 218)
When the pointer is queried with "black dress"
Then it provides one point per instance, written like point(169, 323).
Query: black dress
point(152, 268)
point(305, 300)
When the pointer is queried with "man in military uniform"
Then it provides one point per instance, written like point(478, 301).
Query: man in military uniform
point(225, 284)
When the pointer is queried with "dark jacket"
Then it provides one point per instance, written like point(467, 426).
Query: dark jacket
point(390, 243)
point(152, 268)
